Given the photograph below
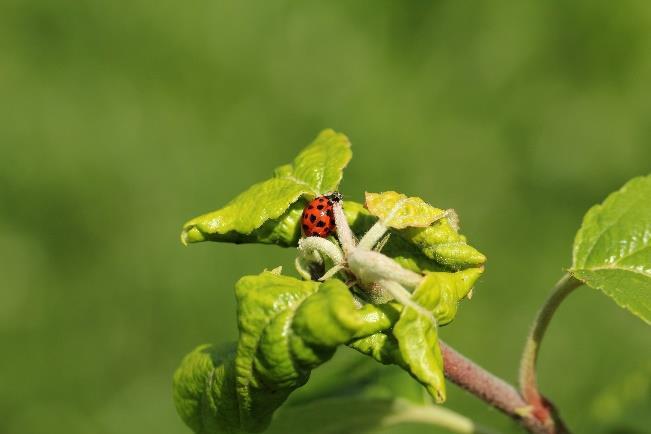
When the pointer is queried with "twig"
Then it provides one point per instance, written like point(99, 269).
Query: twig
point(494, 391)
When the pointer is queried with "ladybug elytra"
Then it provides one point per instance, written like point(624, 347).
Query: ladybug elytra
point(318, 219)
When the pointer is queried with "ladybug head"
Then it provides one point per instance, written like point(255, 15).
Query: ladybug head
point(335, 196)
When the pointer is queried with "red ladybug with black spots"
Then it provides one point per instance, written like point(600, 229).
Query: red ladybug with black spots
point(318, 219)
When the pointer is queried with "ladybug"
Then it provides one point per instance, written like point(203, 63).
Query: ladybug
point(318, 219)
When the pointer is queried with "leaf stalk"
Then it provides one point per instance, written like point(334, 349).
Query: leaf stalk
point(541, 408)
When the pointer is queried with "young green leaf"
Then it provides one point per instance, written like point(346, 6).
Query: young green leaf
point(444, 245)
point(451, 289)
point(412, 343)
point(612, 250)
point(433, 248)
point(398, 211)
point(287, 328)
point(417, 335)
point(316, 170)
point(417, 338)
point(204, 390)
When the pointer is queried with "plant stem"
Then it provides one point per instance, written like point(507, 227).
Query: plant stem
point(528, 384)
point(493, 390)
point(373, 235)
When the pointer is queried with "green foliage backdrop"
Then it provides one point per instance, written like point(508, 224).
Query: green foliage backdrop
point(119, 120)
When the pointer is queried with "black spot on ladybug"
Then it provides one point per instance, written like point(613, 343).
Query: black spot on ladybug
point(310, 207)
point(312, 218)
point(320, 207)
point(306, 227)
point(320, 224)
point(329, 203)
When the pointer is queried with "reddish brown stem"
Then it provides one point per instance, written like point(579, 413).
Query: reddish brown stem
point(495, 392)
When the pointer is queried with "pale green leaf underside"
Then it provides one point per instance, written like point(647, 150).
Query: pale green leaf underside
point(316, 170)
point(398, 211)
point(326, 416)
point(612, 250)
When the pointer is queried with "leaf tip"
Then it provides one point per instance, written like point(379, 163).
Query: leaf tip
point(191, 234)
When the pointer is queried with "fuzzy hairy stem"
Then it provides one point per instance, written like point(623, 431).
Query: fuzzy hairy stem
point(344, 234)
point(495, 392)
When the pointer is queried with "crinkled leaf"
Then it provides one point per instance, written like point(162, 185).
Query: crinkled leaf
point(417, 338)
point(417, 334)
point(321, 164)
point(441, 243)
point(413, 341)
point(434, 248)
point(398, 211)
point(451, 289)
point(316, 170)
point(612, 250)
point(287, 328)
point(204, 390)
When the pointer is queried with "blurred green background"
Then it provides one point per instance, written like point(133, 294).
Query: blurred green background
point(121, 120)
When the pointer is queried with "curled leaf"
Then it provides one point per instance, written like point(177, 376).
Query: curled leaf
point(204, 390)
point(412, 343)
point(417, 335)
point(441, 292)
point(316, 170)
point(287, 328)
point(441, 243)
point(417, 338)
point(437, 247)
